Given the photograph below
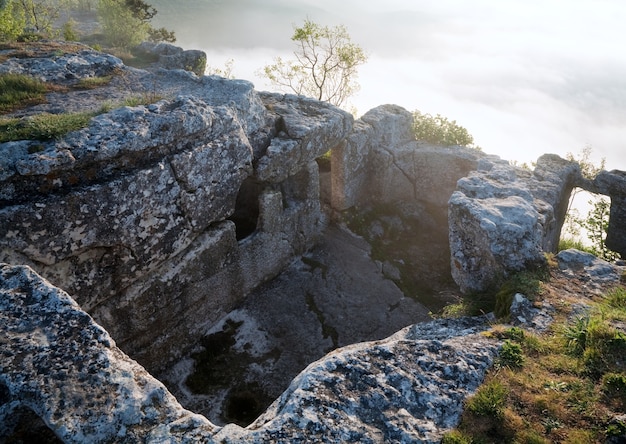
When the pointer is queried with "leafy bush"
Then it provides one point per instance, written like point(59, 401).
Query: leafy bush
point(69, 31)
point(12, 20)
point(614, 386)
point(120, 26)
point(438, 130)
point(511, 355)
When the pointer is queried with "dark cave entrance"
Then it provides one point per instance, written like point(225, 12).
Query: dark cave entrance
point(246, 213)
point(324, 166)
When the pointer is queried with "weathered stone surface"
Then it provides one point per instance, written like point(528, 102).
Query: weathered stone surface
point(502, 218)
point(552, 182)
point(587, 267)
point(407, 388)
point(66, 369)
point(613, 184)
point(307, 129)
point(523, 313)
point(160, 219)
point(381, 162)
point(353, 164)
point(109, 209)
point(59, 364)
point(148, 211)
point(78, 65)
point(174, 57)
point(334, 296)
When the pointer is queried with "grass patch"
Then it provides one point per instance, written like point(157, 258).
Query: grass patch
point(42, 126)
point(499, 298)
point(18, 90)
point(527, 282)
point(489, 400)
point(572, 387)
point(567, 243)
point(93, 82)
point(47, 126)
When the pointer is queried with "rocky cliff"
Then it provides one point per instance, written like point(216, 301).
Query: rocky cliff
point(160, 221)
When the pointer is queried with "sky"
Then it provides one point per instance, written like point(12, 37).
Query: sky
point(524, 77)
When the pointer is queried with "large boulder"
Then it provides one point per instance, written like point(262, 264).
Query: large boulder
point(60, 365)
point(502, 218)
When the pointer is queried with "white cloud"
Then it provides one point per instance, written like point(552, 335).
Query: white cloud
point(524, 78)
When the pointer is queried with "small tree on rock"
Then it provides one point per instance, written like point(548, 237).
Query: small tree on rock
point(325, 64)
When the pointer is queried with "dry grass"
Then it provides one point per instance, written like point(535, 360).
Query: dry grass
point(560, 394)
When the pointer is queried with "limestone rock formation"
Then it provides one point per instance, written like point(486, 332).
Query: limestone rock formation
point(60, 365)
point(613, 184)
point(407, 388)
point(174, 57)
point(335, 295)
point(502, 218)
point(79, 64)
point(200, 196)
point(159, 220)
point(381, 162)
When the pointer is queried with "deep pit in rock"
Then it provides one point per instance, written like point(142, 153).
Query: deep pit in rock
point(350, 288)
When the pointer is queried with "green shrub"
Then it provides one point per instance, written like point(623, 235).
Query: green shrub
point(69, 31)
point(438, 130)
point(12, 20)
point(514, 333)
point(614, 386)
point(121, 28)
point(489, 400)
point(511, 355)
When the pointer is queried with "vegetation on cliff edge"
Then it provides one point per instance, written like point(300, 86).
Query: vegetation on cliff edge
point(565, 385)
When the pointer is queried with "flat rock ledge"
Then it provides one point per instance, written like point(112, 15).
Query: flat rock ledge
point(60, 365)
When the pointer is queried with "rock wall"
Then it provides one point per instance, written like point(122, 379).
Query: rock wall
point(612, 184)
point(159, 218)
point(381, 162)
point(503, 218)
